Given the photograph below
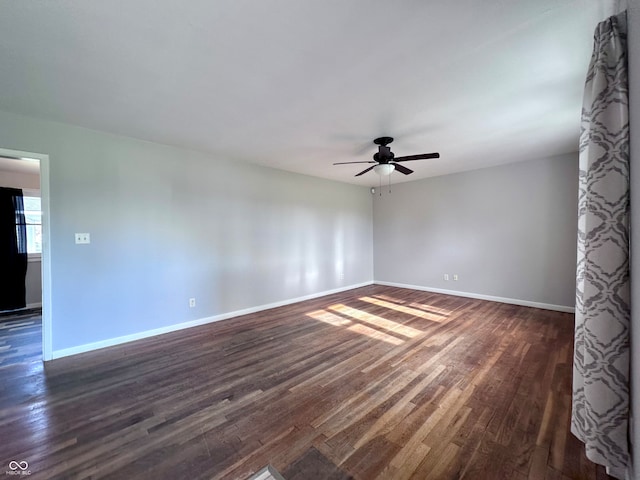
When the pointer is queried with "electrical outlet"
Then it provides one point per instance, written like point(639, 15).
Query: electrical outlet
point(192, 302)
point(446, 276)
point(455, 277)
point(83, 238)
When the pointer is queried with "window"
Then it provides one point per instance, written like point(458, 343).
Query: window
point(33, 219)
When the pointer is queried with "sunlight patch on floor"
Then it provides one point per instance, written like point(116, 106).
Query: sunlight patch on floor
point(339, 321)
point(434, 317)
point(431, 309)
point(330, 318)
point(420, 306)
point(376, 321)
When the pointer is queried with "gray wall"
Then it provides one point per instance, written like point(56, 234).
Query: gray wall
point(33, 281)
point(634, 122)
point(19, 179)
point(168, 224)
point(507, 231)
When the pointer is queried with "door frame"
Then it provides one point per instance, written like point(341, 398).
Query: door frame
point(47, 338)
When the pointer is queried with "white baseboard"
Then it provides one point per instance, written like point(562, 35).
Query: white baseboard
point(479, 296)
point(65, 352)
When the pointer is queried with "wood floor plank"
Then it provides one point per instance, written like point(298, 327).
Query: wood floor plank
point(20, 337)
point(376, 382)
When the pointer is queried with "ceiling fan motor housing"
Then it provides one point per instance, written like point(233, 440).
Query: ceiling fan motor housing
point(384, 154)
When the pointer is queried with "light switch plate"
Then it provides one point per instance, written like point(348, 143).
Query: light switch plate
point(83, 238)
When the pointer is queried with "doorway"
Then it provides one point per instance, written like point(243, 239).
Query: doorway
point(21, 170)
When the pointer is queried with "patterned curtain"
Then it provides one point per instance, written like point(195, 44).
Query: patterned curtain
point(600, 412)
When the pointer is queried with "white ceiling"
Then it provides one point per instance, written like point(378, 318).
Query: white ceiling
point(300, 84)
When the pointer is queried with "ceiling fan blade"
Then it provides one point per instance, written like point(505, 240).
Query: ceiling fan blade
point(364, 171)
point(345, 163)
point(402, 169)
point(422, 156)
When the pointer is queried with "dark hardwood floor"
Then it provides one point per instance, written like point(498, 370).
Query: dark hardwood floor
point(377, 382)
point(20, 337)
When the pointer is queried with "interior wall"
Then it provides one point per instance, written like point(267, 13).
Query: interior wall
point(169, 224)
point(33, 280)
point(507, 231)
point(634, 123)
point(33, 283)
point(19, 179)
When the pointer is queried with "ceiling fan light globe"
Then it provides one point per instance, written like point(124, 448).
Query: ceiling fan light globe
point(384, 169)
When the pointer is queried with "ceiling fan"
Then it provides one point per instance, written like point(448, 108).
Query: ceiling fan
point(386, 162)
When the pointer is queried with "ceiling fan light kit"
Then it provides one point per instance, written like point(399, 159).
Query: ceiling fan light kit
point(384, 169)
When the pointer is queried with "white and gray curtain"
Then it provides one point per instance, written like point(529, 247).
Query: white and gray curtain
point(600, 410)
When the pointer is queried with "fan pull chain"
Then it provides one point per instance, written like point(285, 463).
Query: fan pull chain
point(389, 183)
point(380, 184)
